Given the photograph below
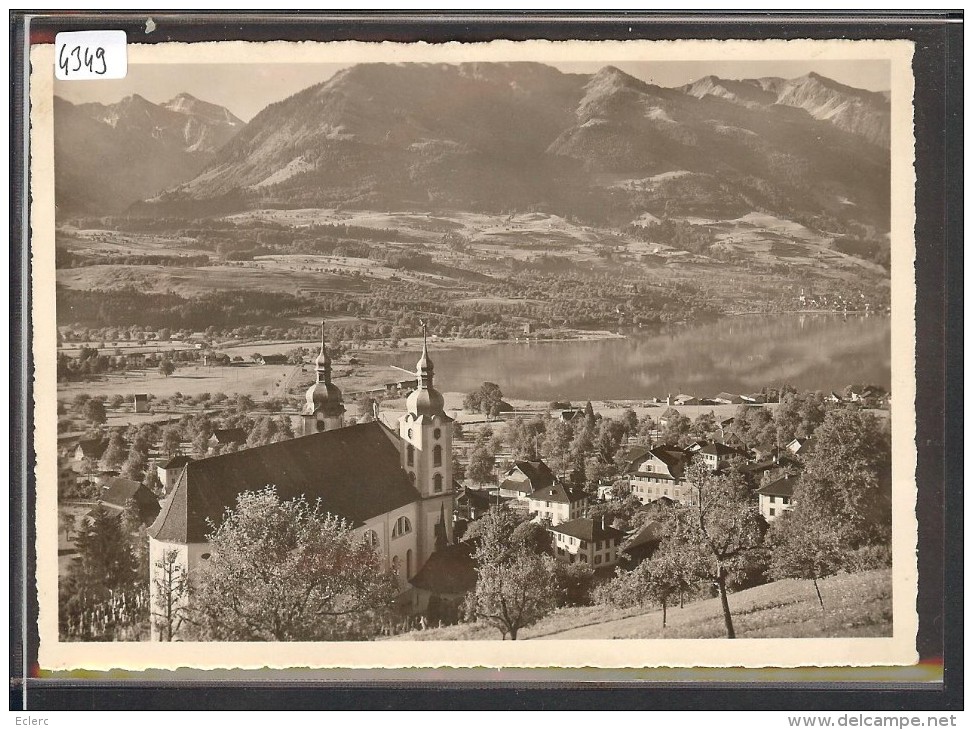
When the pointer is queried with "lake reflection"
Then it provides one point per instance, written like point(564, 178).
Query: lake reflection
point(735, 354)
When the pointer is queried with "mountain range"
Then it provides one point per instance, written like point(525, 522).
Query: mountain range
point(107, 157)
point(604, 147)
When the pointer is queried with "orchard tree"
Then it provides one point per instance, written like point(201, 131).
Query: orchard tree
point(809, 551)
point(721, 527)
point(94, 411)
point(847, 483)
point(480, 468)
point(114, 455)
point(167, 367)
point(171, 440)
point(135, 465)
point(515, 586)
point(287, 571)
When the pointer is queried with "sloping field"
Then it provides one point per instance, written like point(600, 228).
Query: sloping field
point(855, 605)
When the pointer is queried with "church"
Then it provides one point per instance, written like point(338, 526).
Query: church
point(394, 486)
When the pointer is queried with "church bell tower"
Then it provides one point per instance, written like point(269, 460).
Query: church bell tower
point(324, 409)
point(427, 457)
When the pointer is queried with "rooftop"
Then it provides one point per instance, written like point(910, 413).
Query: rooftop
point(355, 472)
point(783, 487)
point(586, 528)
point(450, 570)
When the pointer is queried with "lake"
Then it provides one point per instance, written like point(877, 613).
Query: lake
point(735, 354)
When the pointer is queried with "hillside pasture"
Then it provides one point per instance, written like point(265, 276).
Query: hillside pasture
point(855, 605)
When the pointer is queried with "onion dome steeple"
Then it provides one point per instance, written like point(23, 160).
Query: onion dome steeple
point(425, 400)
point(324, 397)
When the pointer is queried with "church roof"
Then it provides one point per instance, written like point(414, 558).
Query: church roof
point(448, 571)
point(355, 471)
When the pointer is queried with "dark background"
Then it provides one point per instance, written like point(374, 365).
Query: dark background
point(939, 319)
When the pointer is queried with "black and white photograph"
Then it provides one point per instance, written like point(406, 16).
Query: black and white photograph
point(557, 354)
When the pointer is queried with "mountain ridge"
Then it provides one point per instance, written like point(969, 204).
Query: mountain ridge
point(498, 137)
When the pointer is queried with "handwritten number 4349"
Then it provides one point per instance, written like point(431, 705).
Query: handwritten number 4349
point(76, 58)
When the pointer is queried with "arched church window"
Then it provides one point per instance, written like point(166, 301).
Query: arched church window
point(437, 433)
point(403, 526)
point(410, 455)
point(437, 456)
point(437, 483)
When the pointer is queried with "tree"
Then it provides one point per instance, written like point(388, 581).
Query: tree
point(287, 571)
point(676, 429)
point(171, 591)
point(135, 465)
point(799, 415)
point(721, 526)
point(589, 415)
point(98, 579)
point(486, 399)
point(167, 367)
point(94, 411)
point(524, 437)
point(805, 551)
point(171, 440)
point(115, 453)
point(515, 587)
point(482, 462)
point(846, 483)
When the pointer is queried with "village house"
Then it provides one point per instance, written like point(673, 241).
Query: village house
point(557, 503)
point(570, 415)
point(717, 456)
point(777, 496)
point(524, 478)
point(660, 474)
point(641, 544)
point(117, 492)
point(472, 504)
point(226, 436)
point(587, 540)
point(801, 446)
point(276, 359)
point(395, 487)
point(169, 471)
point(90, 450)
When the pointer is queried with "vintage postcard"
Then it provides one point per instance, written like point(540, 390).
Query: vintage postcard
point(513, 354)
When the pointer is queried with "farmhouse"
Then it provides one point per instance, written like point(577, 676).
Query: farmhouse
point(169, 471)
point(277, 359)
point(586, 540)
point(395, 487)
point(90, 449)
point(557, 503)
point(777, 497)
point(524, 478)
point(225, 436)
point(660, 474)
point(716, 456)
point(117, 493)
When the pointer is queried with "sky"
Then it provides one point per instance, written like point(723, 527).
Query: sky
point(245, 90)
